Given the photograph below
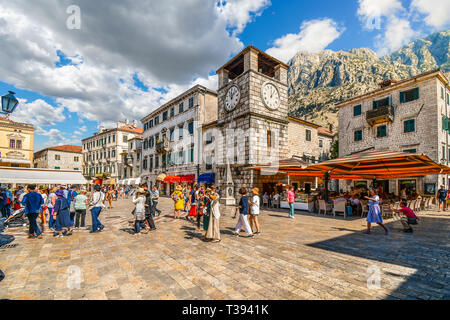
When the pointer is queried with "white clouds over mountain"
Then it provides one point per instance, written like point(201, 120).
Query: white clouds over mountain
point(314, 35)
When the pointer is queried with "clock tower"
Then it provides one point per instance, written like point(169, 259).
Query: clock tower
point(252, 115)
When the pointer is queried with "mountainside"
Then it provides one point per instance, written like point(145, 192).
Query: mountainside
point(318, 81)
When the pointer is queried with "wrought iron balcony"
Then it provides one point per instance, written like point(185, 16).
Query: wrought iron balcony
point(163, 146)
point(382, 114)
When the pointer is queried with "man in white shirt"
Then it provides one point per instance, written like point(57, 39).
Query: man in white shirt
point(97, 206)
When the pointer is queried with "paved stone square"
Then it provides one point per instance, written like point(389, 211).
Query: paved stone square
point(311, 257)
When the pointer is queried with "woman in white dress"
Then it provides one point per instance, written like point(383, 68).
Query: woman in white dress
point(213, 229)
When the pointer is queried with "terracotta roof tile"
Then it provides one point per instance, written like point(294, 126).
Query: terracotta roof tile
point(67, 148)
point(325, 131)
point(133, 129)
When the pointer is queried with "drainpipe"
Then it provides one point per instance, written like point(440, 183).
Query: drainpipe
point(447, 153)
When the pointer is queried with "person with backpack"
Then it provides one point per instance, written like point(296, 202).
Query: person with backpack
point(149, 209)
point(177, 198)
point(139, 212)
point(71, 195)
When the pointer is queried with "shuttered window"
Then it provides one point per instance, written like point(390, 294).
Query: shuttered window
point(409, 125)
point(410, 95)
point(381, 131)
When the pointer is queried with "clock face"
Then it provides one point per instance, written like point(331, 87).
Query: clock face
point(270, 96)
point(232, 98)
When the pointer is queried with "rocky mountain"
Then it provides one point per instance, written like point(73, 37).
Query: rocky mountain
point(318, 81)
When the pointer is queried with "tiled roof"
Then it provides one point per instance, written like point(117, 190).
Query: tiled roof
point(67, 148)
point(326, 132)
point(133, 129)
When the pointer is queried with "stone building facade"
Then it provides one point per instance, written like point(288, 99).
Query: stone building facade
point(102, 152)
point(132, 158)
point(16, 143)
point(172, 137)
point(309, 141)
point(254, 128)
point(408, 116)
point(65, 157)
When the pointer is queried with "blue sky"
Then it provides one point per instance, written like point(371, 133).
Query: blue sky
point(70, 80)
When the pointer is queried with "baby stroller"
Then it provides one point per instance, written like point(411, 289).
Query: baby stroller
point(4, 239)
point(17, 219)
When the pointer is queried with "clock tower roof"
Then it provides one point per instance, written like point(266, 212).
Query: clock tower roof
point(264, 60)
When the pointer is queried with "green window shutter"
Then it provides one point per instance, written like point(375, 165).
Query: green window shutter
point(402, 97)
point(375, 105)
point(416, 93)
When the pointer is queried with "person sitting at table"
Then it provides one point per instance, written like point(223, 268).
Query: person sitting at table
point(340, 198)
point(354, 202)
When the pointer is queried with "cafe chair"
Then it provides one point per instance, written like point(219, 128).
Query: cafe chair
point(340, 207)
point(323, 206)
point(364, 208)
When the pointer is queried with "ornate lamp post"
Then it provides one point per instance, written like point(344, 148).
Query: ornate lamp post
point(9, 103)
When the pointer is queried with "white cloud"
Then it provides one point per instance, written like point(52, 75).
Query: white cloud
point(314, 35)
point(237, 13)
point(437, 12)
point(391, 19)
point(56, 138)
point(369, 9)
point(398, 32)
point(169, 44)
point(38, 113)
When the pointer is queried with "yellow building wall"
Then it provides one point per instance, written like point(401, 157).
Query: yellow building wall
point(13, 130)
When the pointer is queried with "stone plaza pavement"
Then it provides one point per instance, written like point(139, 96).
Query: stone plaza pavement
point(311, 257)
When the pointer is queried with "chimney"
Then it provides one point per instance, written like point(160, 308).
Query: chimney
point(135, 123)
point(127, 122)
point(331, 127)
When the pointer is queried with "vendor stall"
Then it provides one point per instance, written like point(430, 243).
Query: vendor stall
point(10, 175)
point(302, 202)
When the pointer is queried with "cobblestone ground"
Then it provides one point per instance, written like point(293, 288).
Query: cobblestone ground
point(311, 257)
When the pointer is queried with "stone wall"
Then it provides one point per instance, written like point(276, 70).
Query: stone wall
point(428, 137)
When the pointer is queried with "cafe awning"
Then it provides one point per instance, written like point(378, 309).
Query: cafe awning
point(379, 164)
point(207, 178)
point(172, 179)
point(40, 176)
point(190, 178)
point(366, 165)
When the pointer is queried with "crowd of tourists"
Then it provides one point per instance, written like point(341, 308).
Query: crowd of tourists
point(64, 209)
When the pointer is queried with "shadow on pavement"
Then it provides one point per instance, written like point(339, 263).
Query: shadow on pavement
point(427, 250)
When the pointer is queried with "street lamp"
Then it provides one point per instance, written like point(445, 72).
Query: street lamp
point(9, 103)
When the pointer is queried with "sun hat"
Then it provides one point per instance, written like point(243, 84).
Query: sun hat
point(59, 193)
point(255, 190)
point(141, 190)
point(179, 187)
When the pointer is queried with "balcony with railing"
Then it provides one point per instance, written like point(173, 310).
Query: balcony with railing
point(163, 146)
point(379, 115)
